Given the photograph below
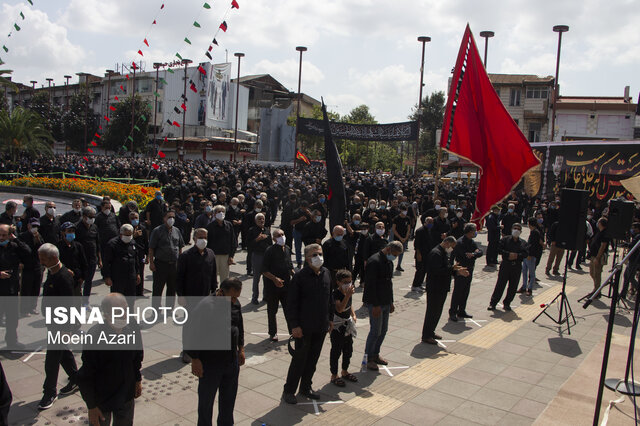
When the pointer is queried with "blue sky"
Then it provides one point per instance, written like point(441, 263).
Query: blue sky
point(360, 51)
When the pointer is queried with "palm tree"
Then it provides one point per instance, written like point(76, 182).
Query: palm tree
point(4, 81)
point(22, 131)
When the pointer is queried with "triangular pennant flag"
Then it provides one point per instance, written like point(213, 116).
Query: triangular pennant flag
point(140, 52)
point(125, 148)
point(154, 22)
point(112, 108)
point(206, 6)
point(184, 97)
point(130, 138)
point(193, 87)
point(196, 24)
point(163, 81)
point(177, 110)
point(127, 76)
point(116, 98)
point(90, 150)
point(234, 4)
point(143, 117)
point(136, 128)
point(145, 40)
point(5, 48)
point(186, 40)
point(100, 127)
point(155, 166)
point(175, 123)
point(166, 139)
point(202, 71)
point(144, 191)
point(169, 121)
point(135, 67)
point(93, 143)
point(97, 136)
point(179, 57)
point(170, 71)
point(156, 94)
point(208, 55)
point(85, 159)
point(215, 42)
point(161, 154)
point(22, 15)
point(30, 2)
point(210, 47)
point(162, 7)
point(223, 26)
point(183, 106)
point(148, 104)
point(16, 27)
point(121, 88)
point(106, 118)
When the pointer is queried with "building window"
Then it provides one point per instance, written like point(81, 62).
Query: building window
point(498, 92)
point(534, 132)
point(537, 93)
point(143, 86)
point(159, 106)
point(514, 99)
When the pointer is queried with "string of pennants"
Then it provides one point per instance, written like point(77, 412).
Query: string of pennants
point(15, 28)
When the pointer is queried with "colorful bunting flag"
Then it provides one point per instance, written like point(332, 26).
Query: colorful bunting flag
point(143, 117)
point(166, 139)
point(90, 150)
point(145, 40)
point(130, 138)
point(156, 94)
point(179, 57)
point(85, 159)
point(30, 2)
point(121, 88)
point(223, 26)
point(16, 27)
point(186, 40)
point(97, 136)
point(22, 15)
point(184, 97)
point(93, 143)
point(170, 71)
point(106, 118)
point(144, 191)
point(116, 98)
point(140, 52)
point(161, 154)
point(193, 87)
point(215, 42)
point(112, 108)
point(169, 121)
point(155, 166)
point(206, 6)
point(5, 48)
point(162, 7)
point(163, 81)
point(175, 123)
point(234, 4)
point(202, 71)
point(127, 76)
point(124, 147)
point(210, 47)
point(208, 55)
point(154, 22)
point(183, 106)
point(136, 128)
point(196, 24)
point(135, 67)
point(177, 110)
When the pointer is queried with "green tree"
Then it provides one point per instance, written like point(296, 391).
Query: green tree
point(119, 131)
point(52, 115)
point(73, 122)
point(5, 83)
point(433, 108)
point(22, 131)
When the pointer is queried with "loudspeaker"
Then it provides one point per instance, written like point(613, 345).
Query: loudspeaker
point(620, 218)
point(572, 226)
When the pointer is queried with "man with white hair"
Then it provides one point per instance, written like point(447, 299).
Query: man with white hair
point(222, 240)
point(259, 240)
point(120, 269)
point(336, 252)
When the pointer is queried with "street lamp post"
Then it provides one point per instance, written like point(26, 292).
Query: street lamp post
point(556, 87)
point(109, 74)
point(235, 133)
point(157, 66)
point(299, 49)
point(424, 40)
point(487, 35)
point(66, 91)
point(49, 80)
point(86, 103)
point(186, 63)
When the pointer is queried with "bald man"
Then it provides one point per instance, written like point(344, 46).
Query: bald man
point(336, 252)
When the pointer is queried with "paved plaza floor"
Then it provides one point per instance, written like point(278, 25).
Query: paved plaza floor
point(496, 368)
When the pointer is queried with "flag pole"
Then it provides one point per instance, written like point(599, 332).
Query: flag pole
point(438, 165)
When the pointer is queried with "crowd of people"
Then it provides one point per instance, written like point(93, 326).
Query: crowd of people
point(309, 270)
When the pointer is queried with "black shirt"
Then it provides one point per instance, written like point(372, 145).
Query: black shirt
point(258, 246)
point(72, 256)
point(402, 225)
point(463, 246)
point(423, 242)
point(309, 300)
point(222, 238)
point(11, 256)
point(535, 247)
point(597, 240)
point(196, 273)
point(50, 229)
point(108, 227)
point(204, 310)
point(336, 255)
point(277, 260)
point(90, 240)
point(378, 273)
point(373, 244)
point(156, 210)
point(439, 270)
point(338, 296)
point(509, 245)
point(507, 222)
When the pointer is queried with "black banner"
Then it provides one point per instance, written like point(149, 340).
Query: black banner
point(407, 131)
point(597, 167)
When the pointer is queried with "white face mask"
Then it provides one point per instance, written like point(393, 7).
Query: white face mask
point(34, 230)
point(201, 243)
point(220, 216)
point(458, 214)
point(171, 221)
point(51, 211)
point(317, 261)
point(106, 211)
point(404, 212)
point(281, 240)
point(449, 250)
point(77, 210)
point(516, 233)
point(380, 232)
point(49, 268)
point(90, 221)
point(126, 238)
point(258, 210)
point(438, 207)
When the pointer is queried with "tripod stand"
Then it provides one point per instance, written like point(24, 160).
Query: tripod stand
point(564, 306)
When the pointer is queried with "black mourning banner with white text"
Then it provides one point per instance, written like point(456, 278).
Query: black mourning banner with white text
point(406, 131)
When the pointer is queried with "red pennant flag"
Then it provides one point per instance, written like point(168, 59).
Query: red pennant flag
point(135, 67)
point(162, 7)
point(90, 150)
point(145, 40)
point(75, 179)
point(97, 136)
point(93, 143)
point(121, 87)
point(183, 106)
point(155, 166)
point(210, 47)
point(223, 26)
point(140, 52)
point(127, 76)
point(166, 139)
point(161, 154)
point(143, 190)
point(154, 22)
point(477, 127)
point(85, 159)
point(117, 98)
point(112, 108)
point(303, 158)
point(193, 87)
point(106, 118)
point(234, 4)
point(202, 71)
point(100, 127)
point(175, 123)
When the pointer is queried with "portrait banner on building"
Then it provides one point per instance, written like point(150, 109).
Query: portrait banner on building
point(595, 166)
point(407, 131)
point(218, 93)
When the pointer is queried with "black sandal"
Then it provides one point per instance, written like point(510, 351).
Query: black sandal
point(350, 377)
point(338, 382)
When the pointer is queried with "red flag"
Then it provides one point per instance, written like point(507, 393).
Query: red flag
point(127, 76)
point(97, 136)
point(162, 7)
point(210, 47)
point(145, 40)
point(193, 87)
point(135, 67)
point(100, 127)
point(106, 118)
point(183, 106)
point(155, 166)
point(154, 22)
point(93, 143)
point(166, 139)
point(175, 123)
point(202, 71)
point(140, 52)
point(161, 154)
point(112, 108)
point(477, 127)
point(234, 4)
point(90, 150)
point(121, 87)
point(116, 98)
point(302, 157)
point(223, 26)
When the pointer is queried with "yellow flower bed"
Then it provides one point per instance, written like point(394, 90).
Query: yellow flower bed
point(117, 191)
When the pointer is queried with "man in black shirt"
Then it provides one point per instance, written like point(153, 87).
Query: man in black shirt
point(441, 226)
point(513, 250)
point(535, 252)
point(509, 219)
point(87, 234)
point(50, 224)
point(309, 312)
point(75, 214)
point(110, 380)
point(141, 240)
point(465, 253)
point(32, 271)
point(259, 240)
point(400, 231)
point(336, 252)
point(422, 244)
point(440, 269)
point(314, 230)
point(120, 269)
point(155, 211)
point(493, 236)
point(457, 224)
point(277, 270)
point(72, 255)
point(222, 240)
point(378, 298)
point(29, 211)
point(300, 217)
point(8, 216)
point(555, 253)
point(375, 242)
point(107, 223)
point(598, 252)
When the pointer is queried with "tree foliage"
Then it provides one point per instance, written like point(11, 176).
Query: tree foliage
point(117, 135)
point(22, 131)
point(433, 108)
point(73, 122)
point(52, 115)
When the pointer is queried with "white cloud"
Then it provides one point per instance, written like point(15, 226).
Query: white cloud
point(286, 72)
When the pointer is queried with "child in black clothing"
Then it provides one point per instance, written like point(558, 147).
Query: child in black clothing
point(344, 329)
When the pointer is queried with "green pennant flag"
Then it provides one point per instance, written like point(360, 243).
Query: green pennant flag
point(156, 94)
point(136, 128)
point(186, 40)
point(206, 6)
point(130, 137)
point(196, 24)
point(170, 71)
point(30, 2)
point(5, 48)
point(143, 118)
point(22, 15)
point(148, 106)
point(16, 27)
point(163, 81)
point(125, 147)
point(179, 56)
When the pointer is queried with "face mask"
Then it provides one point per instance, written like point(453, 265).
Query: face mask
point(338, 238)
point(208, 209)
point(544, 209)
point(220, 216)
point(214, 199)
point(159, 197)
point(106, 211)
point(429, 225)
point(510, 210)
point(317, 261)
point(403, 213)
point(438, 207)
point(445, 215)
point(380, 232)
point(515, 233)
point(372, 206)
point(452, 206)
point(171, 221)
point(24, 204)
point(70, 237)
point(356, 222)
point(475, 234)
point(391, 257)
point(281, 240)
point(201, 243)
point(34, 230)
point(77, 210)
point(135, 222)
point(458, 214)
point(49, 268)
point(364, 232)
point(258, 210)
point(540, 221)
point(4, 243)
point(321, 200)
point(51, 211)
point(589, 217)
point(90, 220)
point(126, 238)
point(449, 250)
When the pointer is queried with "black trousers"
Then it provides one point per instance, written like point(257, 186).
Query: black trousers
point(52, 362)
point(510, 271)
point(274, 297)
point(358, 267)
point(340, 345)
point(492, 251)
point(303, 362)
point(220, 378)
point(9, 308)
point(165, 274)
point(421, 273)
point(5, 398)
point(123, 416)
point(461, 287)
point(249, 260)
point(288, 235)
point(435, 304)
point(31, 284)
